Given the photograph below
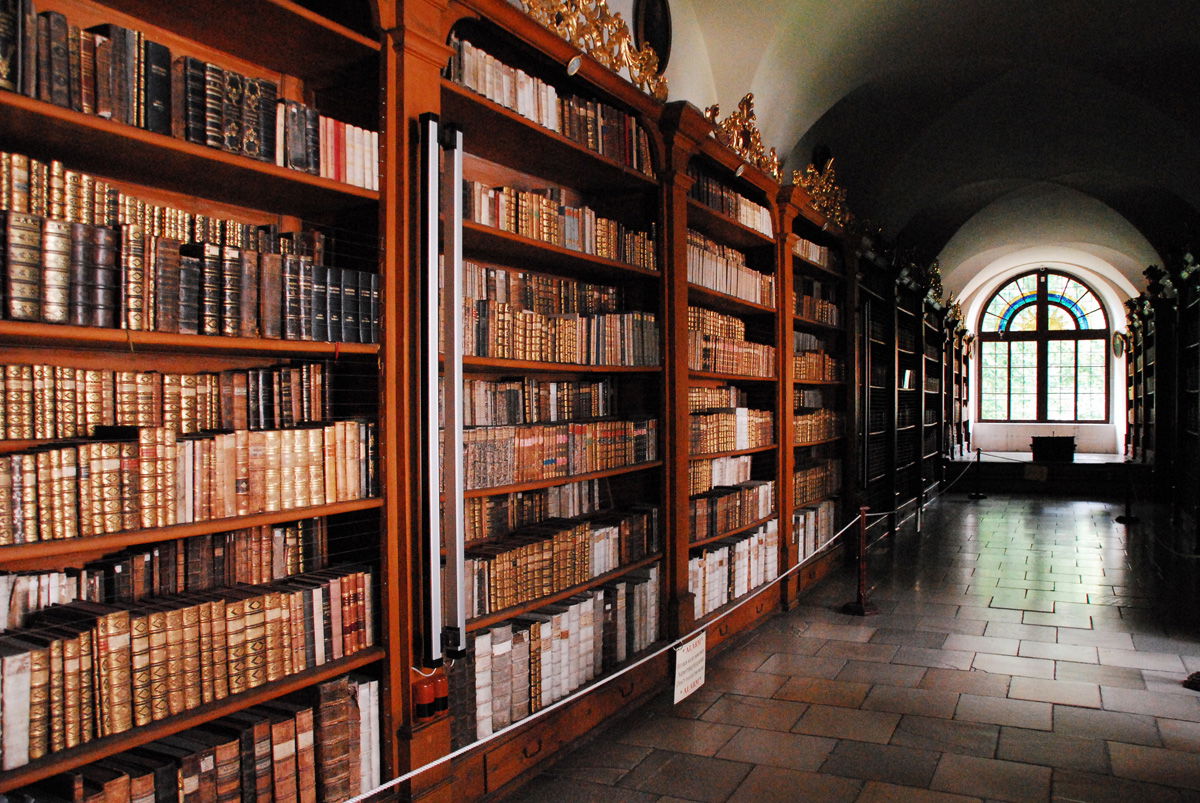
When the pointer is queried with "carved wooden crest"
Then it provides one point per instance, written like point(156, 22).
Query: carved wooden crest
point(827, 197)
point(739, 132)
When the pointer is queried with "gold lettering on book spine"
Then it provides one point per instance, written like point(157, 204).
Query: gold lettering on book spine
point(739, 132)
point(603, 35)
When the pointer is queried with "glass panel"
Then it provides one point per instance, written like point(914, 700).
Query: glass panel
point(1060, 378)
point(1023, 404)
point(1074, 291)
point(995, 406)
point(1025, 320)
point(1024, 352)
point(1027, 285)
point(1058, 319)
point(991, 323)
point(1091, 407)
point(995, 354)
point(1096, 320)
point(1055, 284)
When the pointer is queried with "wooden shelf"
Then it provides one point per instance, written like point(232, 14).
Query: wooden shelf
point(495, 617)
point(55, 336)
point(724, 229)
point(63, 760)
point(816, 500)
point(734, 453)
point(550, 483)
point(113, 150)
point(808, 264)
point(735, 531)
point(492, 364)
point(829, 382)
point(278, 34)
point(728, 377)
point(487, 242)
point(821, 442)
point(500, 135)
point(801, 320)
point(112, 542)
point(725, 302)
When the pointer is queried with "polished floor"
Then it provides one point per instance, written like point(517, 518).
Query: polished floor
point(1021, 653)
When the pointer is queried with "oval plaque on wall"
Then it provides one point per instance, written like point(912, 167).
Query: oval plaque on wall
point(652, 26)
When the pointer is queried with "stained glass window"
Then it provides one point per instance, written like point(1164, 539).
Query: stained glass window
point(1044, 354)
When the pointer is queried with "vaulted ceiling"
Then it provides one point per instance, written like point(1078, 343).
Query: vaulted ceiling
point(1042, 123)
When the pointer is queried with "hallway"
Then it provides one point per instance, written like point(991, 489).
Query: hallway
point(1016, 657)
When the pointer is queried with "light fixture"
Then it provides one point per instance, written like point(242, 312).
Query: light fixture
point(738, 173)
point(574, 64)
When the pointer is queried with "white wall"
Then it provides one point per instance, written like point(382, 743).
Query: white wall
point(1099, 438)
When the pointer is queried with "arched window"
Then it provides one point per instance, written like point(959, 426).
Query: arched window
point(1043, 355)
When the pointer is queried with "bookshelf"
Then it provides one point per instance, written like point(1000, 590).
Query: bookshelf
point(877, 360)
point(908, 372)
point(958, 389)
point(933, 395)
point(137, 422)
point(1188, 404)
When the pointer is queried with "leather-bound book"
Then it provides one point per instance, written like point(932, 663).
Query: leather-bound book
point(214, 103)
point(251, 135)
point(333, 303)
point(156, 83)
point(208, 257)
point(319, 326)
point(10, 45)
point(312, 141)
point(350, 306)
point(231, 111)
point(79, 312)
point(166, 260)
point(103, 74)
point(22, 262)
point(87, 72)
point(56, 270)
point(270, 295)
point(268, 105)
point(291, 296)
point(305, 314)
point(247, 316)
point(231, 291)
point(133, 277)
point(189, 292)
point(103, 286)
point(74, 69)
point(187, 99)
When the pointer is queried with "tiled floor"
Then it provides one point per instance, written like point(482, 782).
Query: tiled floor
point(1019, 655)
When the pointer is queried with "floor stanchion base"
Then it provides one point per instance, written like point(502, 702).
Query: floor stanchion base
point(860, 609)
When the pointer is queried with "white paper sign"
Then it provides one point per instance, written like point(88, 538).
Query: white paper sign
point(689, 666)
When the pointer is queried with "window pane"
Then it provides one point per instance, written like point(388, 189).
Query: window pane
point(1092, 352)
point(1024, 407)
point(995, 406)
point(1055, 284)
point(1027, 285)
point(1058, 319)
point(995, 354)
point(1025, 320)
point(1091, 407)
point(1024, 352)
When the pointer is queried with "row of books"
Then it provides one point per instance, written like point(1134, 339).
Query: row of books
point(301, 747)
point(813, 528)
point(597, 126)
point(725, 509)
point(725, 356)
point(811, 398)
point(542, 215)
point(498, 515)
point(248, 556)
point(55, 401)
point(815, 308)
point(531, 400)
point(497, 330)
point(730, 430)
point(702, 397)
point(51, 190)
point(88, 670)
point(723, 268)
point(726, 570)
point(716, 195)
point(521, 666)
point(704, 475)
point(817, 426)
point(538, 292)
point(495, 456)
point(817, 365)
point(552, 556)
point(816, 482)
point(73, 273)
point(309, 141)
point(716, 324)
point(145, 477)
point(808, 250)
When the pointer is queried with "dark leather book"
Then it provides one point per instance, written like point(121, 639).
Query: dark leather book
point(79, 312)
point(156, 79)
point(294, 154)
point(103, 286)
point(231, 111)
point(251, 144)
point(120, 46)
point(214, 95)
point(10, 45)
point(333, 303)
point(376, 306)
point(187, 99)
point(349, 306)
point(365, 314)
point(305, 313)
point(28, 69)
point(231, 290)
point(291, 297)
point(248, 314)
point(268, 104)
point(210, 288)
point(165, 772)
point(312, 140)
point(320, 304)
point(87, 72)
point(132, 303)
point(167, 282)
point(22, 262)
point(103, 74)
point(74, 70)
point(43, 59)
point(189, 293)
point(56, 270)
point(270, 295)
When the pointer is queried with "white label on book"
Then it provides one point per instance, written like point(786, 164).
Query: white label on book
point(689, 666)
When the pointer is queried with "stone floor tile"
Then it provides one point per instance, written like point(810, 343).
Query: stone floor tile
point(909, 638)
point(1135, 659)
point(989, 644)
point(827, 630)
point(991, 778)
point(926, 609)
point(1095, 638)
point(824, 691)
point(1070, 785)
point(555, 788)
point(1180, 735)
point(1065, 692)
point(1012, 665)
point(1023, 632)
point(988, 614)
point(1057, 619)
point(1003, 711)
point(942, 659)
point(971, 682)
point(791, 750)
point(880, 762)
point(807, 665)
point(1017, 601)
point(744, 658)
point(848, 723)
point(755, 712)
point(901, 700)
point(1089, 723)
point(1155, 765)
point(857, 651)
point(1058, 652)
point(687, 776)
point(1178, 646)
point(1104, 675)
point(1052, 749)
point(947, 735)
point(680, 735)
point(891, 674)
point(770, 784)
point(775, 642)
point(1152, 703)
point(948, 624)
point(1166, 683)
point(879, 792)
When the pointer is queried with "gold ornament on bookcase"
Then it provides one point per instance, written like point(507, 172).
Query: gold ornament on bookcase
point(603, 35)
point(827, 197)
point(739, 132)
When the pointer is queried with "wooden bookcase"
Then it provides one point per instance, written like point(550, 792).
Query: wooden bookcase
point(909, 371)
point(957, 390)
point(877, 358)
point(1187, 414)
point(323, 63)
point(933, 394)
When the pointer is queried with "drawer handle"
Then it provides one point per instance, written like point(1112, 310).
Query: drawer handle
point(626, 691)
point(537, 748)
point(761, 606)
point(723, 629)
